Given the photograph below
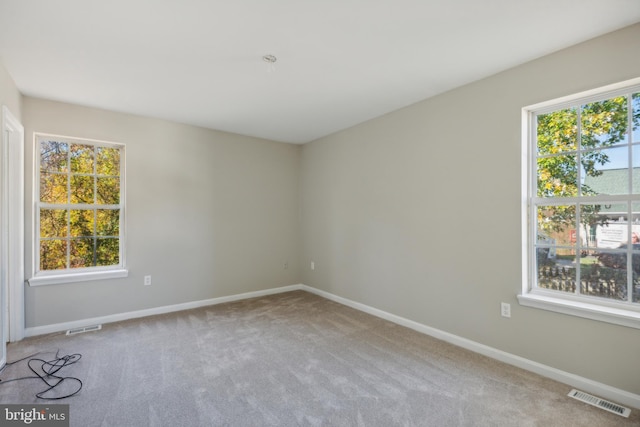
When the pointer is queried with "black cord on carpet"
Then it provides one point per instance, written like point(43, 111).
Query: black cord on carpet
point(47, 373)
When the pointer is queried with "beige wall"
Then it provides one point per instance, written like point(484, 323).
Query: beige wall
point(418, 213)
point(9, 94)
point(209, 214)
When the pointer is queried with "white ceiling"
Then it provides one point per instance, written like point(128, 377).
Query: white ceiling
point(340, 62)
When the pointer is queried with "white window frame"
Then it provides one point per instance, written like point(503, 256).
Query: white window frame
point(69, 275)
point(616, 312)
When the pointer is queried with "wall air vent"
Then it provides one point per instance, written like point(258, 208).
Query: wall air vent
point(84, 329)
point(600, 403)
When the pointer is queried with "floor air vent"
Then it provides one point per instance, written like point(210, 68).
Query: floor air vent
point(600, 403)
point(84, 329)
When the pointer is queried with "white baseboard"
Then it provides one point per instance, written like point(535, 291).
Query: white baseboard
point(605, 391)
point(59, 327)
point(602, 390)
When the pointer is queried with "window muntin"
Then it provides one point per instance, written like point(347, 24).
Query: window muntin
point(584, 199)
point(79, 206)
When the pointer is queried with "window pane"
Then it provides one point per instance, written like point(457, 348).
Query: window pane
point(604, 123)
point(53, 188)
point(635, 239)
point(636, 169)
point(81, 158)
point(635, 219)
point(53, 223)
point(605, 171)
point(614, 211)
point(558, 176)
point(53, 254)
point(557, 132)
point(591, 217)
point(108, 191)
point(612, 233)
point(81, 189)
point(559, 277)
point(557, 223)
point(81, 222)
point(108, 161)
point(108, 252)
point(81, 253)
point(53, 156)
point(108, 222)
point(636, 117)
point(606, 278)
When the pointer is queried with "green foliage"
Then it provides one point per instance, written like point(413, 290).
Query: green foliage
point(572, 141)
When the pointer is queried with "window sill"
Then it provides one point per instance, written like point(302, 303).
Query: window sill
point(617, 316)
point(58, 279)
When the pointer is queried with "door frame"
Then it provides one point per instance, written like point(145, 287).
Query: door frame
point(12, 225)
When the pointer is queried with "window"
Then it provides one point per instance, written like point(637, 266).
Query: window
point(581, 219)
point(79, 210)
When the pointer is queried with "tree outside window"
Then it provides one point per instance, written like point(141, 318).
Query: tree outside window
point(80, 204)
point(586, 207)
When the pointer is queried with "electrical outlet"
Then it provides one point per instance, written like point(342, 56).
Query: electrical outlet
point(147, 280)
point(505, 309)
point(313, 265)
point(286, 265)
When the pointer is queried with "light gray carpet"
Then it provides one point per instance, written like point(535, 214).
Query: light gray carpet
point(287, 360)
